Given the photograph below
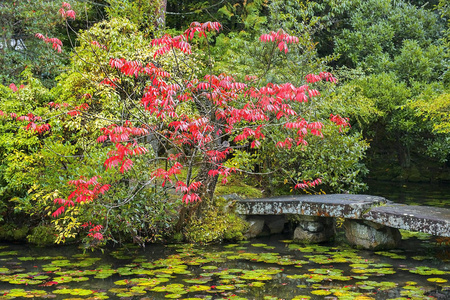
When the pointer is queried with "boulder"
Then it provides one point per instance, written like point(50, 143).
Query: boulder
point(371, 236)
point(314, 229)
point(255, 228)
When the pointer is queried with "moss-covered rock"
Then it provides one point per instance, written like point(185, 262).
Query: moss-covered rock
point(240, 186)
point(42, 235)
point(218, 222)
point(12, 232)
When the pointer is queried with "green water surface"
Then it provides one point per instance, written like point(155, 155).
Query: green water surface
point(269, 268)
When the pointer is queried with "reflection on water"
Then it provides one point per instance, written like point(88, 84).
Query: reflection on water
point(412, 193)
point(266, 268)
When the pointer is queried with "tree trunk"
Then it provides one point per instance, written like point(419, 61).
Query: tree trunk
point(161, 20)
point(206, 193)
point(404, 155)
point(208, 186)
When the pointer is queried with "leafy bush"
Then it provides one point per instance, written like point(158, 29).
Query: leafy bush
point(42, 235)
point(216, 223)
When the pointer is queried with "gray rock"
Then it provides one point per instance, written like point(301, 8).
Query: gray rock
point(432, 220)
point(303, 235)
point(332, 205)
point(314, 229)
point(365, 236)
point(256, 226)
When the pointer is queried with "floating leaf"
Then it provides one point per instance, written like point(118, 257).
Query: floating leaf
point(225, 287)
point(321, 292)
point(437, 280)
point(173, 296)
point(198, 288)
point(259, 245)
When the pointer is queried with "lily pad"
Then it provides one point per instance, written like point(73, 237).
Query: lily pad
point(198, 288)
point(321, 292)
point(437, 280)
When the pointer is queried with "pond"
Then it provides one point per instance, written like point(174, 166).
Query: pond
point(273, 267)
point(269, 268)
point(412, 193)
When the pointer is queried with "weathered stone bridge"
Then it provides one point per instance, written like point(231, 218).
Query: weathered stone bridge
point(371, 222)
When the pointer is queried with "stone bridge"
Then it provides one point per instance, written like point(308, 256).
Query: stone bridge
point(371, 222)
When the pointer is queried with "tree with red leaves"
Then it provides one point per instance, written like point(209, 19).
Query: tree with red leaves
point(184, 130)
point(225, 114)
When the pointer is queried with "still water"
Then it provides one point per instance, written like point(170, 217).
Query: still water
point(412, 193)
point(267, 268)
point(270, 268)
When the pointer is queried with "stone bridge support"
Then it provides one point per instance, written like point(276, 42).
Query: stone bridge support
point(371, 222)
point(370, 235)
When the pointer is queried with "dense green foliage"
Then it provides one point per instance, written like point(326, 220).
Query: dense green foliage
point(391, 59)
point(21, 20)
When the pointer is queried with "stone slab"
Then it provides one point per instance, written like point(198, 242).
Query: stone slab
point(432, 220)
point(334, 205)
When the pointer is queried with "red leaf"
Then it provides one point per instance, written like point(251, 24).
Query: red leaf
point(59, 211)
point(13, 87)
point(70, 14)
point(102, 138)
point(50, 283)
point(104, 188)
point(194, 186)
point(213, 173)
point(181, 186)
point(140, 150)
point(126, 165)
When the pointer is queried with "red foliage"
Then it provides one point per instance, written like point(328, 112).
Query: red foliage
point(13, 87)
point(281, 38)
point(308, 184)
point(77, 110)
point(340, 121)
point(264, 104)
point(94, 231)
point(234, 112)
point(95, 43)
point(66, 14)
point(168, 43)
point(32, 119)
point(85, 191)
point(49, 283)
point(109, 82)
point(201, 28)
point(56, 43)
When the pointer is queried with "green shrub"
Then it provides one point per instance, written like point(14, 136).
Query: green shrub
point(11, 232)
point(216, 224)
point(42, 235)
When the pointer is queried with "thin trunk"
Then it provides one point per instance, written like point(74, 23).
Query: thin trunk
point(161, 21)
point(206, 193)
